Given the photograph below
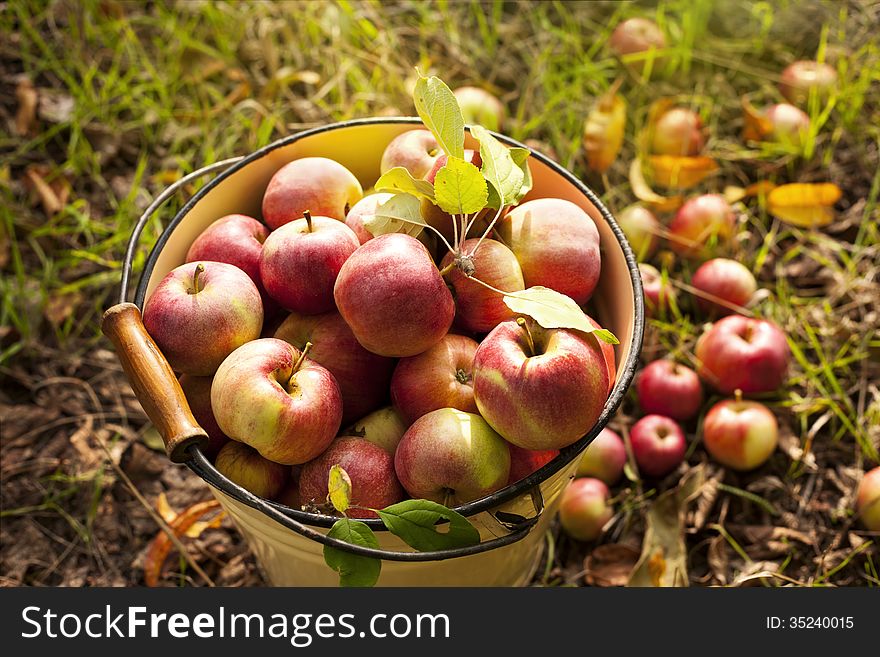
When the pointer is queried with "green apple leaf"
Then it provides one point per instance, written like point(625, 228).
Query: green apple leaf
point(339, 487)
point(415, 521)
point(399, 179)
point(459, 187)
point(399, 214)
point(353, 569)
point(504, 176)
point(521, 158)
point(552, 309)
point(439, 111)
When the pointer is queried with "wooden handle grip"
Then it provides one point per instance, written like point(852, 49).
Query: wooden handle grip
point(153, 381)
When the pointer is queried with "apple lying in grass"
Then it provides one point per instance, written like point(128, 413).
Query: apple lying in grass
point(363, 377)
point(540, 388)
point(868, 500)
point(480, 107)
point(702, 225)
point(301, 260)
point(740, 434)
point(441, 377)
point(384, 427)
point(658, 445)
point(635, 36)
point(556, 244)
point(311, 184)
point(245, 466)
point(726, 286)
point(659, 293)
point(743, 353)
point(604, 458)
point(584, 510)
point(268, 395)
point(392, 296)
point(799, 78)
point(524, 462)
point(370, 468)
point(200, 313)
point(477, 308)
point(788, 123)
point(414, 150)
point(197, 390)
point(642, 230)
point(669, 388)
point(362, 211)
point(678, 131)
point(451, 457)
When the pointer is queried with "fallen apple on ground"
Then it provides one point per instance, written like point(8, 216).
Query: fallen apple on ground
point(868, 500)
point(788, 123)
point(479, 106)
point(636, 36)
point(584, 510)
point(740, 434)
point(658, 445)
point(642, 230)
point(723, 280)
point(604, 458)
point(668, 388)
point(701, 226)
point(799, 78)
point(659, 293)
point(245, 466)
point(678, 131)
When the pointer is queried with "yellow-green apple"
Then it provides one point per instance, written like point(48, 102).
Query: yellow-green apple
point(480, 107)
point(659, 293)
point(363, 376)
point(642, 230)
point(201, 312)
point(800, 77)
point(314, 184)
point(540, 388)
point(740, 434)
point(370, 469)
point(604, 458)
point(392, 296)
point(584, 510)
point(677, 132)
point(608, 353)
point(743, 353)
point(477, 308)
point(702, 225)
point(451, 457)
point(868, 500)
point(524, 462)
point(788, 123)
point(635, 36)
point(658, 445)
point(362, 211)
point(557, 245)
point(414, 150)
point(441, 377)
point(384, 427)
point(669, 388)
point(301, 260)
point(268, 395)
point(245, 466)
point(722, 281)
point(197, 390)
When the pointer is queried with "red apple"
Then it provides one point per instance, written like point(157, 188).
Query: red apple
point(197, 390)
point(301, 260)
point(480, 107)
point(540, 388)
point(384, 427)
point(642, 230)
point(723, 280)
point(658, 445)
point(200, 313)
point(740, 434)
point(789, 124)
point(868, 500)
point(268, 395)
point(392, 296)
point(289, 495)
point(363, 376)
point(743, 353)
point(414, 150)
point(311, 184)
point(671, 389)
point(584, 510)
point(702, 225)
point(248, 469)
point(477, 308)
point(470, 155)
point(362, 211)
point(659, 294)
point(678, 132)
point(635, 36)
point(451, 457)
point(370, 468)
point(604, 458)
point(441, 377)
point(800, 77)
point(557, 245)
point(524, 462)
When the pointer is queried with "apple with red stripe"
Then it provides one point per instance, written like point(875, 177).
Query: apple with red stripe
point(868, 500)
point(740, 434)
point(668, 388)
point(726, 285)
point(584, 510)
point(244, 466)
point(384, 427)
point(604, 458)
point(658, 445)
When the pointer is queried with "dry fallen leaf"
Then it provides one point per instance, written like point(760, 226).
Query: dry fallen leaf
point(756, 125)
point(610, 565)
point(26, 115)
point(53, 196)
point(644, 193)
point(161, 544)
point(61, 306)
point(603, 130)
point(681, 172)
point(807, 205)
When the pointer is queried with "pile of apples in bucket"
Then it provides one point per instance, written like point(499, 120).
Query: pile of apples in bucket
point(439, 292)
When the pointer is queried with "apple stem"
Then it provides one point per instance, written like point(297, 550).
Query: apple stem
point(522, 322)
point(308, 216)
point(448, 268)
point(302, 357)
point(738, 395)
point(200, 268)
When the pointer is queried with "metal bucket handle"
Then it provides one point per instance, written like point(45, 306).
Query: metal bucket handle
point(159, 392)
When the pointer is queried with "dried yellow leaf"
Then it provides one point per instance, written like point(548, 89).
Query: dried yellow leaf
point(603, 131)
point(644, 193)
point(804, 204)
point(681, 172)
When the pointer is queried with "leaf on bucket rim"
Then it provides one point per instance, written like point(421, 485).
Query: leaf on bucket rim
point(807, 205)
point(415, 521)
point(339, 488)
point(161, 545)
point(552, 309)
point(353, 569)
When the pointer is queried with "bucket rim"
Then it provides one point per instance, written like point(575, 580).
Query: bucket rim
point(624, 377)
